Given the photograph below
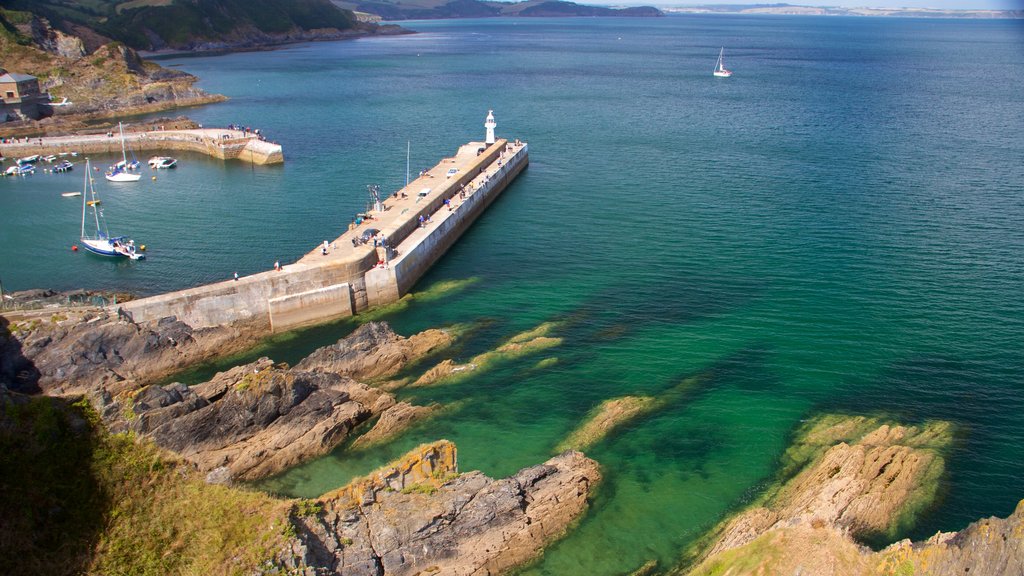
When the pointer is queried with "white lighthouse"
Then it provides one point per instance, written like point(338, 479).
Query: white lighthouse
point(490, 124)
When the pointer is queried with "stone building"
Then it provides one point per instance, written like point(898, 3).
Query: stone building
point(22, 98)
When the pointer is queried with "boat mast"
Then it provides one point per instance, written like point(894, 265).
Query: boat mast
point(95, 212)
point(85, 195)
point(124, 156)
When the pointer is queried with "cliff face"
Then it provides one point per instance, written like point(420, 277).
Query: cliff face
point(98, 76)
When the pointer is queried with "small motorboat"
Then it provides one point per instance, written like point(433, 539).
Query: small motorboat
point(29, 159)
point(51, 158)
point(63, 166)
point(20, 170)
point(71, 194)
point(158, 162)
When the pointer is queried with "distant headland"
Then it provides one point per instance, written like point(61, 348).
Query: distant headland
point(793, 9)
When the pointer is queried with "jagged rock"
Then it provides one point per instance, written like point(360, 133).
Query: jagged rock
point(467, 525)
point(373, 351)
point(393, 421)
point(118, 356)
point(269, 419)
point(856, 477)
point(992, 546)
point(55, 41)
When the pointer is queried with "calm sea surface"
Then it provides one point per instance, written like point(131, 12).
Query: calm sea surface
point(838, 227)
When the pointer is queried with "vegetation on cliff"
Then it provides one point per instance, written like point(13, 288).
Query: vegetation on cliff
point(98, 76)
point(183, 25)
point(78, 499)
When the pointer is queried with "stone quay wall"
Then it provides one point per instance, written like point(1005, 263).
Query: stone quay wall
point(318, 289)
point(220, 143)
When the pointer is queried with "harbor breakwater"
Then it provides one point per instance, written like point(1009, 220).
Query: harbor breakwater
point(223, 143)
point(374, 262)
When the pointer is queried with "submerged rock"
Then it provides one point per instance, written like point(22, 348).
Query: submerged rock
point(609, 415)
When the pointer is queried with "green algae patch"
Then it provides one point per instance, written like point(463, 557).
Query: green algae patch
point(606, 417)
point(432, 293)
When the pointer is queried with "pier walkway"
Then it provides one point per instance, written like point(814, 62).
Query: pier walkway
point(222, 143)
point(416, 225)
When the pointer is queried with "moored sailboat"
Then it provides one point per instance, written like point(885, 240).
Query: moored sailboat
point(118, 172)
point(101, 242)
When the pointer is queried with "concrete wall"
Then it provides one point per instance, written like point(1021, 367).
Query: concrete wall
point(249, 299)
point(384, 285)
point(312, 292)
point(247, 149)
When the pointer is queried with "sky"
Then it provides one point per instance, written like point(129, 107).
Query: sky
point(942, 4)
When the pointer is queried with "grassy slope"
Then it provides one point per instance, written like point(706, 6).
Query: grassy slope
point(79, 500)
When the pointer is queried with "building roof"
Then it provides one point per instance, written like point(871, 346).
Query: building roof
point(16, 77)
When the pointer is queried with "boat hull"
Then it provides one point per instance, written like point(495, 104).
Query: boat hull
point(103, 247)
point(124, 177)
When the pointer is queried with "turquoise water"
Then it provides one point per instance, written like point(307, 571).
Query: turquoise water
point(836, 227)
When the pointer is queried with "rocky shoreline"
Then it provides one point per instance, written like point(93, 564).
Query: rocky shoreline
point(845, 479)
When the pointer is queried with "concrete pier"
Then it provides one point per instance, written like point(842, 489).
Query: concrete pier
point(353, 275)
point(217, 142)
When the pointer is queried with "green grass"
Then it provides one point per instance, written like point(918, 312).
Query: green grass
point(77, 499)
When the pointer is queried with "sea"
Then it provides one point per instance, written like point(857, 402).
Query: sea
point(837, 228)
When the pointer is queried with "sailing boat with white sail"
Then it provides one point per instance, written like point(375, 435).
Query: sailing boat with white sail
point(101, 242)
point(119, 172)
point(720, 71)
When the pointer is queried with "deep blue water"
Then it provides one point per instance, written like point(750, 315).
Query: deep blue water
point(839, 226)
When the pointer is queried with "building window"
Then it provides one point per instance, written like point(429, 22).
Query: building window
point(10, 94)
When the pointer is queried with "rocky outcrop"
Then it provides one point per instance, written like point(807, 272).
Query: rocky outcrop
point(261, 418)
point(851, 477)
point(101, 353)
point(394, 524)
point(98, 76)
point(268, 419)
point(394, 421)
point(374, 351)
point(991, 546)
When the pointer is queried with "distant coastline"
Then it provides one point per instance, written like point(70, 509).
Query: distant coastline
point(799, 10)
